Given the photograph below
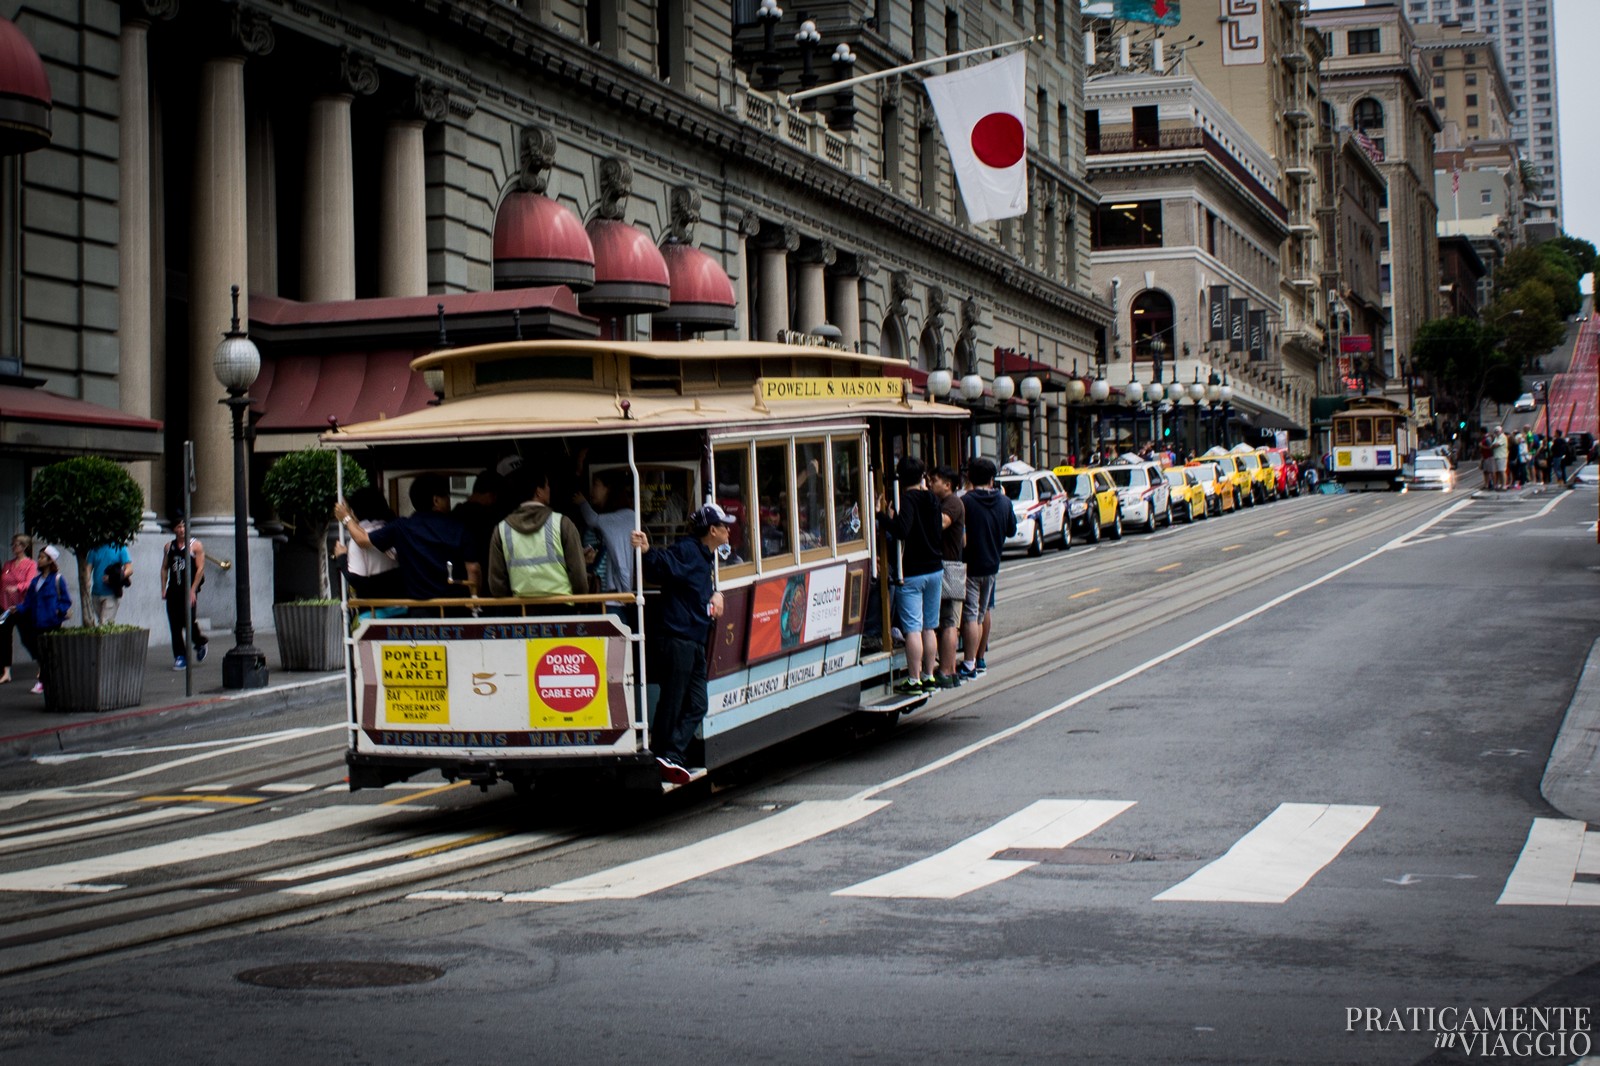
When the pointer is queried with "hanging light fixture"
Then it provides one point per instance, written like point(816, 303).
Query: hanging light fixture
point(972, 388)
point(939, 383)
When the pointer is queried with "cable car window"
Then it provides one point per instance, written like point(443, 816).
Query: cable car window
point(811, 494)
point(733, 496)
point(848, 493)
point(1363, 430)
point(772, 503)
point(1385, 431)
point(1341, 431)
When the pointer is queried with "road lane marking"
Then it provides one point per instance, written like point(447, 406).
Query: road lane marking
point(1546, 874)
point(424, 794)
point(1319, 521)
point(250, 744)
point(1085, 592)
point(85, 875)
point(446, 852)
point(103, 825)
point(1149, 664)
point(1278, 857)
point(203, 798)
point(1281, 533)
point(970, 865)
point(1169, 566)
point(1233, 547)
point(796, 825)
point(1540, 513)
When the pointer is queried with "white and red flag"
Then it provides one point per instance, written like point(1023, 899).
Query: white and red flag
point(983, 112)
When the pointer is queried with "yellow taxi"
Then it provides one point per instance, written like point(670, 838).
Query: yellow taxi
point(1188, 494)
point(1093, 507)
point(1263, 475)
point(1232, 471)
point(1220, 494)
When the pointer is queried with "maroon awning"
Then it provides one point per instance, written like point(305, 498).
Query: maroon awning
point(630, 275)
point(1018, 366)
point(547, 312)
point(24, 93)
point(702, 295)
point(539, 242)
point(43, 423)
point(301, 393)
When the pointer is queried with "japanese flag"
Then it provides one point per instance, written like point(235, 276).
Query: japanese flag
point(984, 115)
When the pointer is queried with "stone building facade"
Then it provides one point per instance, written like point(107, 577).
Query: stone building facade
point(350, 164)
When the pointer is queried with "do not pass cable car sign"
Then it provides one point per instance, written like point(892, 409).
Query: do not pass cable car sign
point(569, 685)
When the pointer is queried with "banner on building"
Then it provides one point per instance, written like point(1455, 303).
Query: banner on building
point(1156, 12)
point(1356, 342)
point(1238, 314)
point(1217, 313)
point(1258, 335)
point(1243, 28)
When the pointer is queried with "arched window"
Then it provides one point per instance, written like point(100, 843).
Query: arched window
point(892, 341)
point(930, 354)
point(1367, 115)
point(1151, 320)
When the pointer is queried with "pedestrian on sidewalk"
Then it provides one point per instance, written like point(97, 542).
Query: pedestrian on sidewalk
point(183, 569)
point(111, 568)
point(690, 603)
point(1560, 452)
point(1500, 449)
point(990, 521)
point(15, 577)
point(45, 605)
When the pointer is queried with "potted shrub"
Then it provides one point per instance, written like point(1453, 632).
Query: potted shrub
point(302, 487)
point(81, 504)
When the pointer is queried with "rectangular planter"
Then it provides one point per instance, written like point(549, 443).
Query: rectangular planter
point(310, 636)
point(93, 671)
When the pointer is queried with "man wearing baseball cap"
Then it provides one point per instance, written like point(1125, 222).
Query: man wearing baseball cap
point(690, 601)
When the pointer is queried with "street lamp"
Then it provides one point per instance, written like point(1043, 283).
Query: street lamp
point(808, 38)
point(1032, 389)
point(1225, 394)
point(1004, 389)
point(236, 364)
point(939, 383)
point(770, 70)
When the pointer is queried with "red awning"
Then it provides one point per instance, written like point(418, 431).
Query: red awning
point(1019, 366)
point(702, 295)
point(630, 274)
point(43, 423)
point(301, 393)
point(537, 241)
point(551, 311)
point(24, 93)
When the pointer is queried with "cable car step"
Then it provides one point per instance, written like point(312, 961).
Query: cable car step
point(894, 702)
point(694, 775)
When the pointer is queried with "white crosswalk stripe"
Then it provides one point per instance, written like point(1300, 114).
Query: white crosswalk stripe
point(1557, 851)
point(86, 875)
point(1277, 858)
point(970, 865)
point(798, 824)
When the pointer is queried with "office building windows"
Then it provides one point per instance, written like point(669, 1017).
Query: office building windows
point(1363, 42)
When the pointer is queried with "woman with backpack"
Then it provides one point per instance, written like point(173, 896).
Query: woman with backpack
point(45, 605)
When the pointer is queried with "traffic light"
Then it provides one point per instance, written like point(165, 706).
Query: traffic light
point(1461, 425)
point(1166, 431)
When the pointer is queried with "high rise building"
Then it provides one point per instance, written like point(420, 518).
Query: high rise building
point(1525, 33)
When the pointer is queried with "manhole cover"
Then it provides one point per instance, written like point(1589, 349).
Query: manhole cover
point(340, 975)
point(1068, 856)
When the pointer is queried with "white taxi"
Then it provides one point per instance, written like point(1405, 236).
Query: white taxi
point(1040, 505)
point(1143, 490)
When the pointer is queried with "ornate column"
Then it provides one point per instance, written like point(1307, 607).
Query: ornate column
point(328, 220)
point(261, 203)
point(745, 225)
point(218, 255)
point(134, 368)
point(811, 306)
point(844, 297)
point(772, 304)
point(403, 229)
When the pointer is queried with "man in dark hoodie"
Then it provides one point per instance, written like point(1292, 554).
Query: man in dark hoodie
point(690, 602)
point(536, 551)
point(915, 524)
point(990, 520)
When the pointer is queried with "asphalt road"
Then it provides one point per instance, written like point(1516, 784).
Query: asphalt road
point(1221, 787)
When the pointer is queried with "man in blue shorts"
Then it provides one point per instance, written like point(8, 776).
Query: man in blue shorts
point(915, 523)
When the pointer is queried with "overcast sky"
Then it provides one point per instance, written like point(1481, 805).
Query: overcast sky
point(1577, 29)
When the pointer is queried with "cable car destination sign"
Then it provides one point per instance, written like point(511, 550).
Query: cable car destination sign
point(773, 390)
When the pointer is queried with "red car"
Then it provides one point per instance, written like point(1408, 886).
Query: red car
point(1288, 471)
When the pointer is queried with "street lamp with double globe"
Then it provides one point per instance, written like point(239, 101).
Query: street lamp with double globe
point(236, 364)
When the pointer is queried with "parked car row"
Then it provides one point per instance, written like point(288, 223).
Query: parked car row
point(1054, 506)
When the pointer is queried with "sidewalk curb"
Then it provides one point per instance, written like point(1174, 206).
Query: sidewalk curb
point(1571, 781)
point(63, 737)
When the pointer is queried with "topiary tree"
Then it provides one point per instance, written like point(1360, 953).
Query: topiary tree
point(301, 486)
point(82, 504)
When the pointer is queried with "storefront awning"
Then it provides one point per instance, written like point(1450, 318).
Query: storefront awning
point(36, 422)
point(1054, 379)
point(300, 394)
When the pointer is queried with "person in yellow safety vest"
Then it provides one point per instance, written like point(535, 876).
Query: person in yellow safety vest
point(537, 551)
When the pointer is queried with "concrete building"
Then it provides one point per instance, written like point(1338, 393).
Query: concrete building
point(1373, 80)
point(1525, 33)
point(1187, 240)
point(1480, 194)
point(560, 168)
point(1351, 272)
point(1260, 62)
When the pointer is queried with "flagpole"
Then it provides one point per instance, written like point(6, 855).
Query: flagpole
point(848, 82)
